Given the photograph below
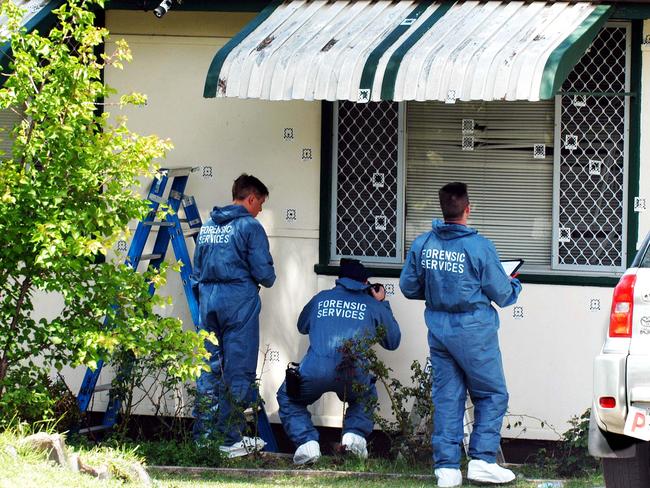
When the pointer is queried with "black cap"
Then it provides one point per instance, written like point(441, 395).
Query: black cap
point(352, 268)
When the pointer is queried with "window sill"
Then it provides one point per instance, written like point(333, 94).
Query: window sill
point(556, 279)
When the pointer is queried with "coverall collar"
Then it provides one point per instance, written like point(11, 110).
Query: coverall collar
point(221, 215)
point(352, 285)
point(451, 231)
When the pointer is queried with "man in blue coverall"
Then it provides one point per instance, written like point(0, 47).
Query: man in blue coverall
point(231, 261)
point(352, 309)
point(458, 273)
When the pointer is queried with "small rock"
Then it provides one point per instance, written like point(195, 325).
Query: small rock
point(53, 444)
point(100, 472)
point(73, 462)
point(11, 450)
point(103, 473)
point(140, 474)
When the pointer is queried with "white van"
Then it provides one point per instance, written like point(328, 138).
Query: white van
point(619, 429)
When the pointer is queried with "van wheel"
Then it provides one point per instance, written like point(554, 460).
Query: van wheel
point(631, 472)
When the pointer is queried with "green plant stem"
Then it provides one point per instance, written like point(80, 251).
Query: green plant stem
point(4, 361)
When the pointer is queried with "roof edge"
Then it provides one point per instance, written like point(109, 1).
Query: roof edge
point(212, 78)
point(568, 53)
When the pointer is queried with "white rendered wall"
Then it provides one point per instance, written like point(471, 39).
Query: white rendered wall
point(547, 353)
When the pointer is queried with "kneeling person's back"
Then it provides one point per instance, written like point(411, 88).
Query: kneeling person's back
point(345, 312)
point(353, 309)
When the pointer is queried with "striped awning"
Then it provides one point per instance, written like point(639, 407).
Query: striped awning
point(405, 50)
point(36, 14)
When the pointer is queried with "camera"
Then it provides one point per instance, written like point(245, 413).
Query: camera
point(293, 380)
point(374, 286)
point(162, 9)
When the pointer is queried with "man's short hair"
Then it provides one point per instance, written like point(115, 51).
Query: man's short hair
point(453, 200)
point(247, 184)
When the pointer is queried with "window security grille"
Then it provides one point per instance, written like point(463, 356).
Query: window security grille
point(591, 148)
point(366, 182)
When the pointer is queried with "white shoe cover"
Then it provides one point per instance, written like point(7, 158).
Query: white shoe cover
point(356, 444)
point(448, 477)
point(247, 445)
point(484, 472)
point(308, 452)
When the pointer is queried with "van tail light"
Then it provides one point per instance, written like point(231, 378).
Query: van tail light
point(607, 402)
point(620, 319)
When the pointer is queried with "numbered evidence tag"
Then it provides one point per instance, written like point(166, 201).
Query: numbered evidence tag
point(637, 423)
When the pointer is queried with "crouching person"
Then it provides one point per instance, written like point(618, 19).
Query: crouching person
point(351, 310)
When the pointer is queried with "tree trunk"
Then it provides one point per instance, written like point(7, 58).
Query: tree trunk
point(15, 321)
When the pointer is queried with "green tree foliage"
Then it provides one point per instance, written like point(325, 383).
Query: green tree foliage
point(67, 193)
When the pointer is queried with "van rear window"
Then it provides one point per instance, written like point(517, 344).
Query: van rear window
point(644, 262)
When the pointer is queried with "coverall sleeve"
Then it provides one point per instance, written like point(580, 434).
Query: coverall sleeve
point(259, 257)
point(411, 281)
point(495, 283)
point(304, 320)
point(385, 318)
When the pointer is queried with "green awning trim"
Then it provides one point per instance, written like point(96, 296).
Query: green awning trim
point(390, 75)
point(370, 68)
point(212, 78)
point(568, 53)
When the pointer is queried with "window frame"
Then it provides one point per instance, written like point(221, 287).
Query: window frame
point(575, 269)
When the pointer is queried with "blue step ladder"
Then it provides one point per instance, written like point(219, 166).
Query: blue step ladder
point(170, 230)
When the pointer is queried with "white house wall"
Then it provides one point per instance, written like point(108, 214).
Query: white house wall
point(547, 351)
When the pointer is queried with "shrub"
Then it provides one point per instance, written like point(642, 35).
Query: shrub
point(67, 194)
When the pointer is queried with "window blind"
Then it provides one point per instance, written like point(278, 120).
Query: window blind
point(504, 152)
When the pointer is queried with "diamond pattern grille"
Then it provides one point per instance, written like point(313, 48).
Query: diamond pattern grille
point(366, 177)
point(591, 171)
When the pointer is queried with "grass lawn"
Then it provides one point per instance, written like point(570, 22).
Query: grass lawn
point(372, 473)
point(22, 467)
point(219, 480)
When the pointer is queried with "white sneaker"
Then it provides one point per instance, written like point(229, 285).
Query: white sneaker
point(356, 444)
point(308, 452)
point(483, 472)
point(247, 445)
point(448, 477)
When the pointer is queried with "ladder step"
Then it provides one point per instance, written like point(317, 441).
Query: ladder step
point(105, 387)
point(191, 232)
point(174, 172)
point(94, 428)
point(155, 198)
point(151, 257)
point(191, 223)
point(159, 223)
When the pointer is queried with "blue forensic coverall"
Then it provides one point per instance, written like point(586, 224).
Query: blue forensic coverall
point(332, 316)
point(458, 273)
point(231, 261)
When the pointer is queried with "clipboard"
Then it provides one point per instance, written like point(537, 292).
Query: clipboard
point(511, 266)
